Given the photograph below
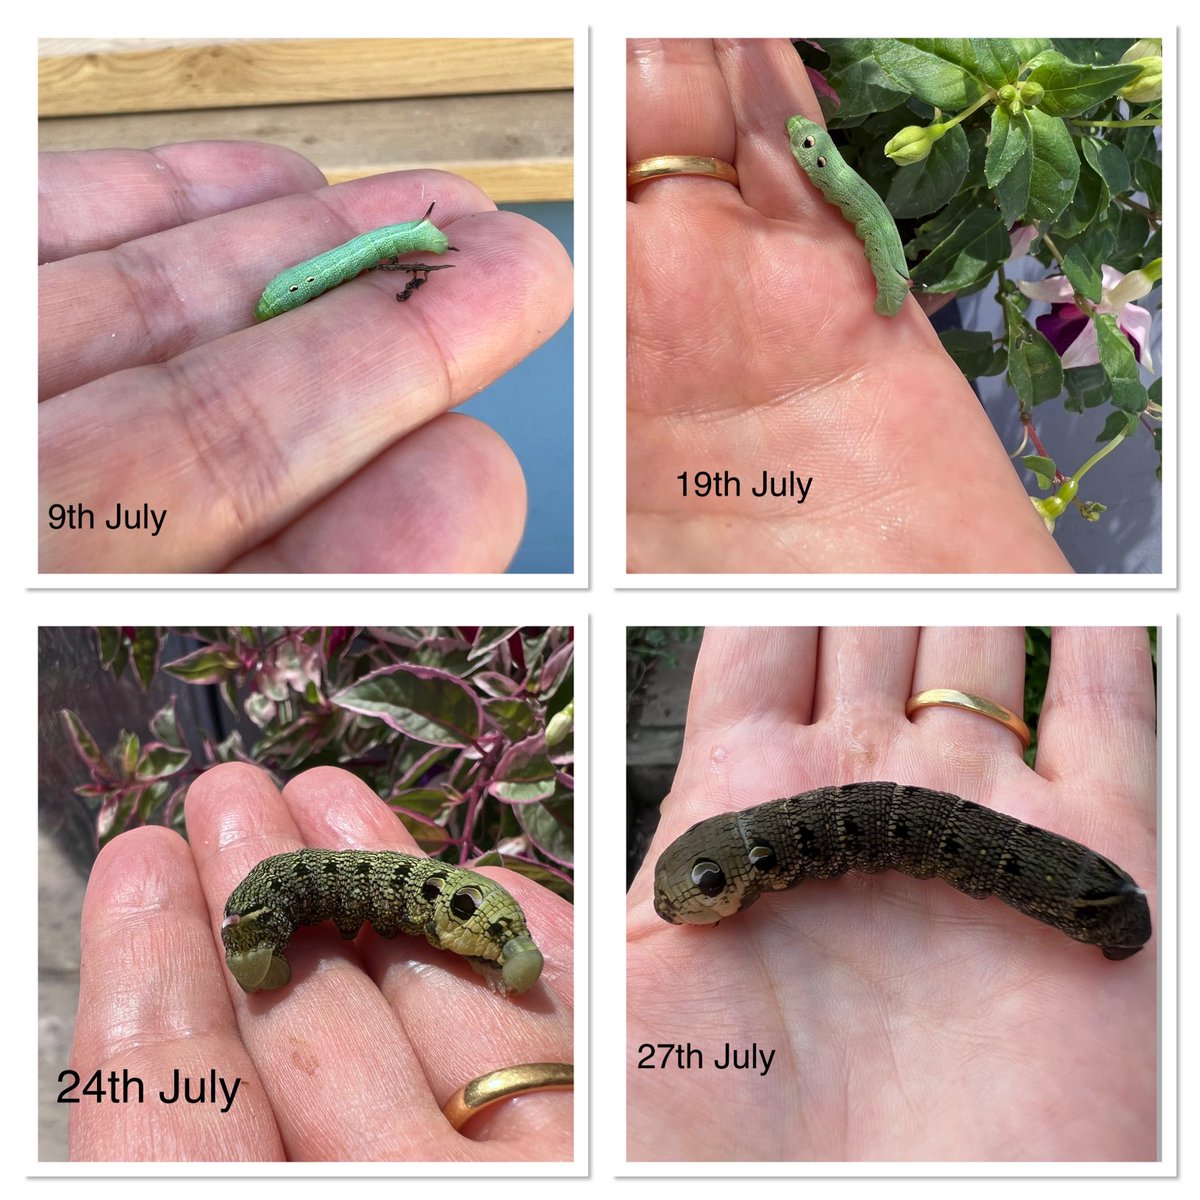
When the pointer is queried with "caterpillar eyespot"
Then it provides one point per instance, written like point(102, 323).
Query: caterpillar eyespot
point(309, 279)
point(722, 865)
point(453, 908)
point(860, 205)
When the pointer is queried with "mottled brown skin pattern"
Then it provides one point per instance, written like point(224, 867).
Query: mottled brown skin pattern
point(453, 908)
point(723, 864)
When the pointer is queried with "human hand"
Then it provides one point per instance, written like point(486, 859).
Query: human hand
point(754, 346)
point(353, 1059)
point(318, 441)
point(907, 1021)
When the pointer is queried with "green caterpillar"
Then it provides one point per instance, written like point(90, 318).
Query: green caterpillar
point(455, 909)
point(814, 150)
point(309, 279)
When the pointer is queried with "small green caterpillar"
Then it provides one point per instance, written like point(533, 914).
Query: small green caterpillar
point(307, 280)
point(814, 150)
point(455, 909)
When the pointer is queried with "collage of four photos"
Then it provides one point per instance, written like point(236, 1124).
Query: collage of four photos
point(329, 330)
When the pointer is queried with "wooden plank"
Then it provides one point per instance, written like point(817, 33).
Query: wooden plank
point(236, 74)
point(517, 147)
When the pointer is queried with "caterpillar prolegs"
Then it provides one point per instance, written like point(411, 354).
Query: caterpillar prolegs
point(722, 865)
point(860, 204)
point(455, 909)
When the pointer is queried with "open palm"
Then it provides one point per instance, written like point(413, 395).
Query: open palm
point(754, 345)
point(906, 1020)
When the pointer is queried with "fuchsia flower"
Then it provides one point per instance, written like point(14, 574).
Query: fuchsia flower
point(1067, 327)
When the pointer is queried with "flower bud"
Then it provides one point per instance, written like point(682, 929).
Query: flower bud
point(1147, 87)
point(912, 144)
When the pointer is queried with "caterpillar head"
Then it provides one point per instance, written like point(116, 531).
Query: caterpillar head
point(709, 873)
point(811, 144)
point(254, 964)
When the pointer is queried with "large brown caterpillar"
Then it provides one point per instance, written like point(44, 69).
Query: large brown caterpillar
point(722, 865)
point(454, 908)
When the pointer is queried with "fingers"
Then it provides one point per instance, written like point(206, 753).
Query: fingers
point(97, 199)
point(987, 662)
point(1098, 728)
point(449, 497)
point(767, 84)
point(434, 1025)
point(676, 100)
point(746, 675)
point(867, 670)
point(151, 299)
point(251, 431)
point(153, 1002)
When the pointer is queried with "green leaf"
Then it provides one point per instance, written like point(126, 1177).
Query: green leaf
point(432, 706)
point(1087, 387)
point(973, 351)
point(1034, 368)
point(1055, 169)
point(1119, 424)
point(112, 640)
point(1011, 142)
point(939, 71)
point(1109, 162)
point(1013, 191)
point(1043, 468)
point(146, 645)
point(524, 772)
point(862, 85)
point(1120, 365)
point(535, 871)
point(426, 802)
point(997, 59)
point(1088, 206)
point(551, 826)
point(970, 254)
point(1083, 274)
point(127, 753)
point(211, 664)
point(924, 187)
point(514, 717)
point(488, 638)
point(158, 761)
point(1072, 88)
point(1028, 48)
point(165, 726)
point(85, 745)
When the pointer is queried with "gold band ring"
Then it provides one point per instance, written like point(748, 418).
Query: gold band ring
point(977, 704)
point(499, 1085)
point(679, 164)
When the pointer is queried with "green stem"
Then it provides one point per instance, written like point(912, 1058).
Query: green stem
point(1091, 462)
point(986, 98)
point(1136, 124)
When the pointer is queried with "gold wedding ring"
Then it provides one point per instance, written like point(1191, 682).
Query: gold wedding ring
point(499, 1085)
point(680, 164)
point(956, 699)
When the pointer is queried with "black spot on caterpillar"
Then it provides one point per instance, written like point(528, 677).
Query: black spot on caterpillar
point(455, 909)
point(722, 865)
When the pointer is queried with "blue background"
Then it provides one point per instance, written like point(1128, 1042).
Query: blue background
point(532, 408)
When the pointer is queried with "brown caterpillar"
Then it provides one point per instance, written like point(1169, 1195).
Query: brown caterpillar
point(722, 865)
point(454, 908)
